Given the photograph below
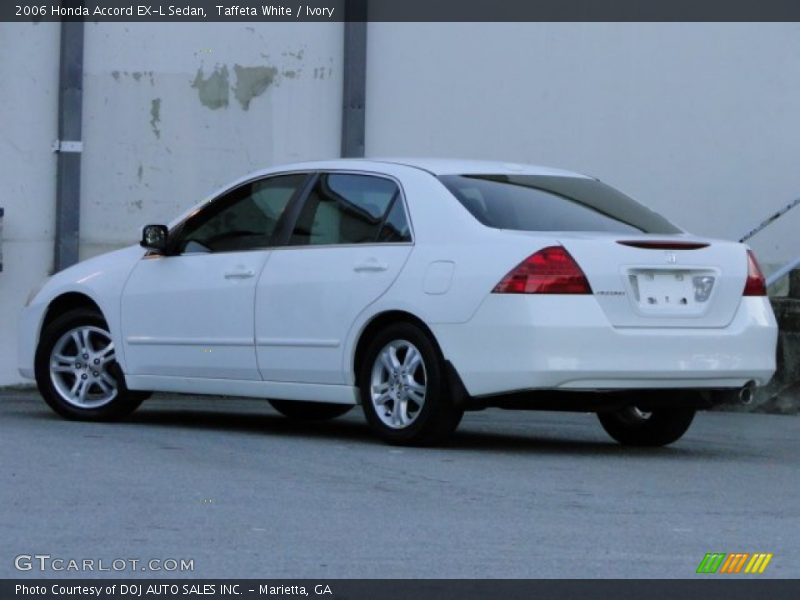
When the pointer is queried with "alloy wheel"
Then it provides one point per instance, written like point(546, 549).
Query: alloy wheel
point(398, 384)
point(79, 367)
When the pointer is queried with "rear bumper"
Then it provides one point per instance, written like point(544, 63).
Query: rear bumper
point(525, 342)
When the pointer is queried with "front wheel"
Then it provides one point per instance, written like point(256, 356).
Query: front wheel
point(631, 426)
point(76, 369)
point(403, 388)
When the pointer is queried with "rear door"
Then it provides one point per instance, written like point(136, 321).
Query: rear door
point(349, 240)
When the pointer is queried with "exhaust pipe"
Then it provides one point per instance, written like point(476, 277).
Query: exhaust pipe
point(747, 393)
point(744, 396)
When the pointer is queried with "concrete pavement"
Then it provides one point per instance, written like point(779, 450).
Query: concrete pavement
point(244, 492)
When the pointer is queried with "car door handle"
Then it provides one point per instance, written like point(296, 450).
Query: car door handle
point(370, 265)
point(239, 274)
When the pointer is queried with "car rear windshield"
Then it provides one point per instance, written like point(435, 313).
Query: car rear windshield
point(551, 203)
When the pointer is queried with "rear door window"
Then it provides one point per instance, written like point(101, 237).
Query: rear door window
point(345, 208)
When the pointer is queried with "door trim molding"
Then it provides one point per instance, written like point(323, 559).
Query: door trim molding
point(143, 340)
point(298, 343)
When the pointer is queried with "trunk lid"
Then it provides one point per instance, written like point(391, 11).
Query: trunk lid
point(650, 280)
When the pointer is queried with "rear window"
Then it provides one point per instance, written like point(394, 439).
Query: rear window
point(547, 203)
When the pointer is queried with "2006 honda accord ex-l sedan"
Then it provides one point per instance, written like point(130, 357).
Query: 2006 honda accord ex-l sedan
point(418, 289)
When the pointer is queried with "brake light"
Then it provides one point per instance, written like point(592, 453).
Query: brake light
point(663, 244)
point(551, 270)
point(755, 284)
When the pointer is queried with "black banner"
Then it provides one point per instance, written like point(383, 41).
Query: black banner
point(399, 10)
point(437, 589)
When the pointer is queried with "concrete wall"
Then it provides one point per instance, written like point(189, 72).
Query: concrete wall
point(173, 111)
point(28, 125)
point(698, 120)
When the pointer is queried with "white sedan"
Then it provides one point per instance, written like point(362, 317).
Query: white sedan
point(418, 289)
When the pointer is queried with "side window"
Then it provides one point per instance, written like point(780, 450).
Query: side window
point(243, 219)
point(351, 209)
point(395, 228)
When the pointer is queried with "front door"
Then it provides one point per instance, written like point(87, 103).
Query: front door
point(190, 313)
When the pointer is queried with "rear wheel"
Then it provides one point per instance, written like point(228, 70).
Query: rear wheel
point(404, 390)
point(77, 372)
point(310, 411)
point(631, 426)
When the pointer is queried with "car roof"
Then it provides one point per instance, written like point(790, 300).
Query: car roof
point(452, 166)
point(438, 166)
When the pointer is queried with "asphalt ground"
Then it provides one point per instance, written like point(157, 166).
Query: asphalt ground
point(244, 492)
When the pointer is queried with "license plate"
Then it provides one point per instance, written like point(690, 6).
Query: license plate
point(655, 289)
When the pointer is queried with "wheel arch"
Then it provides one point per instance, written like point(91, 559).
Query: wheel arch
point(66, 302)
point(61, 304)
point(378, 322)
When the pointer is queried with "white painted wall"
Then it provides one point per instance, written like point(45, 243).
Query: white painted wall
point(28, 125)
point(152, 148)
point(699, 120)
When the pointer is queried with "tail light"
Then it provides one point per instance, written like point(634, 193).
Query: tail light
point(551, 270)
point(755, 284)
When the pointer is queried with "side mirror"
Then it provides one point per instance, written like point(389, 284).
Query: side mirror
point(154, 237)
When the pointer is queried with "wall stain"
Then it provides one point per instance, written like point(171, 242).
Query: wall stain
point(137, 75)
point(155, 116)
point(139, 172)
point(252, 82)
point(297, 55)
point(213, 90)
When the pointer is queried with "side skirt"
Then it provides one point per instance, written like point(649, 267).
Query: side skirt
point(274, 390)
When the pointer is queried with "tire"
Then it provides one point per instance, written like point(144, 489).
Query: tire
point(406, 401)
point(633, 427)
point(103, 396)
point(310, 411)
